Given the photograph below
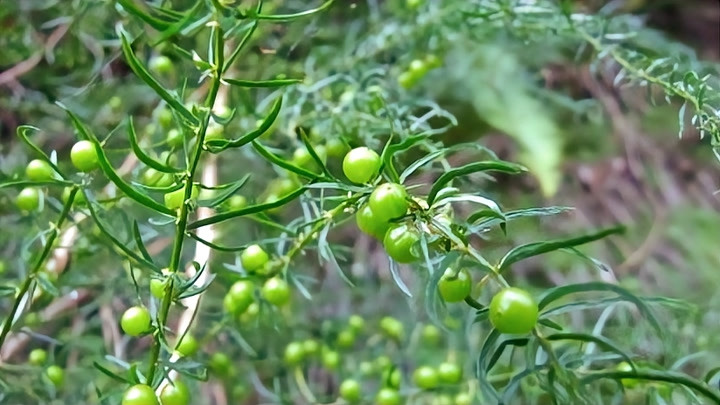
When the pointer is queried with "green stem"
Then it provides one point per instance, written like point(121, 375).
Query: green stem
point(181, 227)
point(38, 265)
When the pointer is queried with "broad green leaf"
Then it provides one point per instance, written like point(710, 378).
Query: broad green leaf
point(261, 83)
point(253, 209)
point(488, 165)
point(601, 341)
point(217, 145)
point(556, 293)
point(537, 248)
point(144, 157)
point(656, 375)
point(107, 168)
point(145, 76)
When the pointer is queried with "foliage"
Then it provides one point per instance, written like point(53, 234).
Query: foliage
point(237, 232)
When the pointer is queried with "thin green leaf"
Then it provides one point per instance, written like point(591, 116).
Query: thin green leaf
point(533, 249)
point(218, 145)
point(280, 162)
point(118, 243)
point(22, 131)
point(229, 190)
point(550, 324)
point(192, 291)
point(710, 374)
point(601, 341)
point(519, 342)
point(391, 150)
point(394, 271)
point(139, 242)
point(144, 157)
point(126, 188)
point(154, 22)
point(488, 344)
point(179, 25)
point(290, 17)
point(488, 165)
point(319, 162)
point(655, 375)
point(261, 83)
point(28, 183)
point(253, 209)
point(604, 303)
point(326, 253)
point(145, 76)
point(215, 246)
point(556, 293)
point(111, 374)
point(241, 45)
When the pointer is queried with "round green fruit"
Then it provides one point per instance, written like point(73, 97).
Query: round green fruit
point(254, 258)
point(176, 393)
point(188, 346)
point(351, 391)
point(418, 68)
point(236, 202)
point(175, 138)
point(361, 165)
point(39, 170)
point(370, 224)
point(514, 311)
point(175, 199)
point(239, 297)
point(336, 147)
point(431, 335)
point(157, 288)
point(311, 347)
point(84, 156)
point(400, 241)
point(161, 65)
point(463, 398)
point(449, 373)
point(330, 359)
point(356, 323)
point(345, 339)
point(455, 286)
point(294, 353)
point(276, 291)
point(136, 321)
point(56, 375)
point(392, 327)
point(389, 201)
point(37, 357)
point(28, 199)
point(140, 394)
point(388, 396)
point(220, 364)
point(426, 377)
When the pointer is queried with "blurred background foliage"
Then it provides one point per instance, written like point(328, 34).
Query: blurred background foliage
point(513, 77)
